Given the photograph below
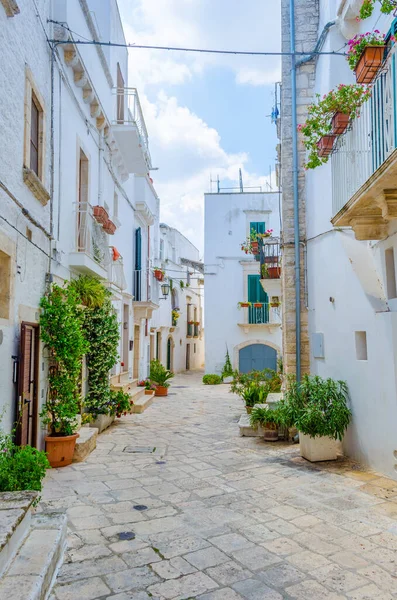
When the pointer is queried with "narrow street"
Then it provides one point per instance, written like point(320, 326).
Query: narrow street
point(173, 504)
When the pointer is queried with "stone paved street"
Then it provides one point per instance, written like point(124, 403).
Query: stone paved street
point(173, 504)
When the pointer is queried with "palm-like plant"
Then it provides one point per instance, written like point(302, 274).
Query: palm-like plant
point(159, 375)
point(89, 290)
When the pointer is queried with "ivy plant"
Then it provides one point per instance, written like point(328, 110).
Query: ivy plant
point(61, 326)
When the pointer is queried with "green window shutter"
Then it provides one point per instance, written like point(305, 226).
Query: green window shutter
point(138, 249)
point(258, 226)
point(256, 292)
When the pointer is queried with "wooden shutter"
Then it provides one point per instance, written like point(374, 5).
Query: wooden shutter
point(258, 226)
point(138, 249)
point(34, 137)
point(256, 292)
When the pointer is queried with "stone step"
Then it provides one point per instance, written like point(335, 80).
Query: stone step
point(126, 386)
point(86, 443)
point(246, 430)
point(142, 402)
point(15, 517)
point(32, 571)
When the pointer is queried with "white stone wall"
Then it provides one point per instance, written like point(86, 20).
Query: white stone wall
point(346, 290)
point(226, 225)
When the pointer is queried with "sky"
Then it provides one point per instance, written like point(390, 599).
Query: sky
point(207, 115)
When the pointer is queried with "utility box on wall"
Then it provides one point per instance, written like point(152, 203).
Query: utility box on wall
point(318, 345)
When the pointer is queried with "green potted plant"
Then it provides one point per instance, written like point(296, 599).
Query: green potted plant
point(318, 409)
point(253, 393)
point(61, 327)
point(365, 55)
point(160, 376)
point(175, 316)
point(243, 304)
point(268, 419)
point(318, 130)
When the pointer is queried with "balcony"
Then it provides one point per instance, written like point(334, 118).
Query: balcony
point(270, 266)
point(260, 315)
point(116, 275)
point(91, 254)
point(130, 131)
point(364, 162)
point(143, 300)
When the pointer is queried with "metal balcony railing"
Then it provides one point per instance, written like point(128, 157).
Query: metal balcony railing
point(116, 273)
point(370, 139)
point(257, 315)
point(90, 236)
point(129, 112)
point(270, 258)
point(143, 285)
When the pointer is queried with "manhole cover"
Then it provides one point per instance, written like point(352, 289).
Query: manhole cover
point(140, 507)
point(139, 449)
point(127, 535)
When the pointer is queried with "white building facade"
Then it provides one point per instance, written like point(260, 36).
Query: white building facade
point(76, 196)
point(351, 242)
point(252, 335)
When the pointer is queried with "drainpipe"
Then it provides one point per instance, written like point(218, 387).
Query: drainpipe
point(295, 191)
point(295, 169)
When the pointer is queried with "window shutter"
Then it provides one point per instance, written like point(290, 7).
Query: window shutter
point(258, 226)
point(256, 292)
point(34, 138)
point(138, 249)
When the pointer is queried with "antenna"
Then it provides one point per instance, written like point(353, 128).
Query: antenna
point(241, 181)
point(218, 185)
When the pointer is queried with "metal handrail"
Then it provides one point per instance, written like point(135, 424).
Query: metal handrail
point(132, 113)
point(91, 239)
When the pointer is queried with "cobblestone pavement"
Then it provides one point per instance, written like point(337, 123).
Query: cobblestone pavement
point(173, 504)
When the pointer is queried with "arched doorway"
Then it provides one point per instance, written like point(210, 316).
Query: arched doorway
point(257, 357)
point(170, 358)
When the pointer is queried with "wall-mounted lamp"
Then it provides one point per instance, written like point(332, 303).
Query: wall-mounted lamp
point(165, 290)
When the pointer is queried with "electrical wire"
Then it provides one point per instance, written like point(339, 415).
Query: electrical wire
point(25, 236)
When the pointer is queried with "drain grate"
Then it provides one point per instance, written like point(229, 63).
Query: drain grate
point(127, 535)
point(140, 449)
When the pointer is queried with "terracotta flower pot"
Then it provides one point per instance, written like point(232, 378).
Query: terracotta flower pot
point(244, 305)
point(271, 435)
point(275, 304)
point(255, 247)
point(326, 144)
point(369, 63)
point(273, 272)
point(258, 305)
point(159, 275)
point(100, 214)
point(60, 449)
point(161, 391)
point(340, 121)
point(109, 227)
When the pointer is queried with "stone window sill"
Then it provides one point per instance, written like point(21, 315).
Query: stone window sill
point(35, 186)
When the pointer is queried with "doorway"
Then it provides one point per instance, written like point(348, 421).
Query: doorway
point(126, 337)
point(169, 354)
point(187, 357)
point(27, 408)
point(257, 357)
point(137, 335)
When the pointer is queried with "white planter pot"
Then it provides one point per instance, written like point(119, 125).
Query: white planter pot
point(102, 422)
point(318, 448)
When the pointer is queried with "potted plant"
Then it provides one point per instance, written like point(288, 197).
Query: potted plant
point(275, 303)
point(386, 7)
point(268, 420)
point(160, 376)
point(318, 408)
point(243, 304)
point(159, 274)
point(100, 214)
point(109, 227)
point(61, 327)
point(253, 393)
point(258, 304)
point(317, 131)
point(365, 55)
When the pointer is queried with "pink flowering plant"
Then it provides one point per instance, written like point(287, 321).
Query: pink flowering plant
point(386, 7)
point(346, 99)
point(357, 45)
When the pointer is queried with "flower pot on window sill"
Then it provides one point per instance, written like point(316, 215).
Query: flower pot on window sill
point(100, 215)
point(340, 121)
point(369, 63)
point(325, 145)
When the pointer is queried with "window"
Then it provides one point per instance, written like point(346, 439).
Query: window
point(361, 345)
point(258, 226)
point(34, 143)
point(161, 250)
point(34, 136)
point(5, 285)
point(390, 274)
point(115, 206)
point(120, 95)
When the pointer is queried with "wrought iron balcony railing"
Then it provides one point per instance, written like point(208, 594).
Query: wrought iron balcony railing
point(370, 140)
point(258, 314)
point(270, 258)
point(129, 112)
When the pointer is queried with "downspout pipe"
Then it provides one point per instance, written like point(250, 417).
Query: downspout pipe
point(295, 190)
point(295, 168)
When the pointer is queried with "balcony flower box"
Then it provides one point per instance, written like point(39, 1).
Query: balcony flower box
point(325, 145)
point(158, 274)
point(258, 305)
point(340, 121)
point(109, 227)
point(244, 304)
point(369, 63)
point(273, 273)
point(100, 215)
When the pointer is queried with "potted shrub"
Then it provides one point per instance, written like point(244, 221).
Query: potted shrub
point(100, 214)
point(318, 408)
point(160, 376)
point(159, 274)
point(317, 131)
point(268, 420)
point(253, 393)
point(61, 327)
point(365, 55)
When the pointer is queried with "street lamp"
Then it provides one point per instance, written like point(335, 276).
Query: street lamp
point(165, 290)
